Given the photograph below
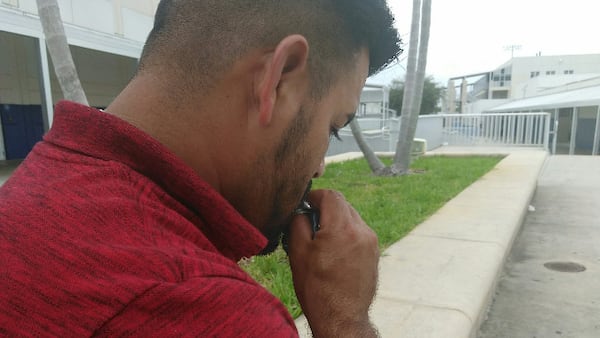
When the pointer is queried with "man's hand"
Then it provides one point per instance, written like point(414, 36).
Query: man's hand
point(335, 275)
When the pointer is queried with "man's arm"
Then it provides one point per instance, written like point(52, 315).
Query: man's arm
point(335, 274)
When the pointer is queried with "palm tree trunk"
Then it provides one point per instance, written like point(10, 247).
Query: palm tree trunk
point(56, 40)
point(403, 166)
point(374, 162)
point(423, 51)
point(404, 144)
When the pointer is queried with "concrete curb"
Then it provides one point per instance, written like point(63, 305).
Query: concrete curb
point(438, 281)
point(343, 157)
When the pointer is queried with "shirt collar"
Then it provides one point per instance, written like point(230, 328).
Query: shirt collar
point(104, 136)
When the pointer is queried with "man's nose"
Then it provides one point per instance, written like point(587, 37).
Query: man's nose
point(321, 169)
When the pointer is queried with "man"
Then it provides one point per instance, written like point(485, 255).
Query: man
point(131, 221)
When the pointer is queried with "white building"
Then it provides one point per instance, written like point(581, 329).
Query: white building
point(566, 86)
point(530, 76)
point(106, 39)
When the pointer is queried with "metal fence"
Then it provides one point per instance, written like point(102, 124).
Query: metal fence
point(522, 129)
point(510, 129)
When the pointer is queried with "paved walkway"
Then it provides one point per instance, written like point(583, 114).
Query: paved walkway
point(533, 301)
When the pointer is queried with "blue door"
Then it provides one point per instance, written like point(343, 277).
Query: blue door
point(22, 126)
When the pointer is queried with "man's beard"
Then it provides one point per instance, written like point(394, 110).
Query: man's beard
point(280, 233)
point(289, 157)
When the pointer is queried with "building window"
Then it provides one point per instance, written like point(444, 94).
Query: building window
point(550, 72)
point(570, 71)
point(500, 94)
point(534, 74)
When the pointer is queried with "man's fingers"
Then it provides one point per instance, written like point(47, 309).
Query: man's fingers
point(300, 229)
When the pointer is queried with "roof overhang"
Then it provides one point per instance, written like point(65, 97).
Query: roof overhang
point(17, 22)
point(589, 96)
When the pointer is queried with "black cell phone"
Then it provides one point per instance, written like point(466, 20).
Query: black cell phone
point(304, 208)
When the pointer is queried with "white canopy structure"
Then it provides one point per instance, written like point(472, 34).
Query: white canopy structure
point(575, 115)
point(584, 97)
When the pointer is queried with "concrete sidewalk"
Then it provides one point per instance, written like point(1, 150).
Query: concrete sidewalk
point(439, 279)
point(533, 300)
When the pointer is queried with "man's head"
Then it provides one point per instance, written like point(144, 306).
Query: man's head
point(248, 92)
point(205, 37)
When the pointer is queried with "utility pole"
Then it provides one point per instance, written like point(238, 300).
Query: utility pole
point(512, 49)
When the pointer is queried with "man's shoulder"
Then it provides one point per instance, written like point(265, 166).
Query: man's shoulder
point(95, 241)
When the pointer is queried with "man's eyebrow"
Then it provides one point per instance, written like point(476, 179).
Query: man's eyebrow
point(350, 117)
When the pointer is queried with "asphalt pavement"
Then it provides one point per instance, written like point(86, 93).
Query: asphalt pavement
point(550, 286)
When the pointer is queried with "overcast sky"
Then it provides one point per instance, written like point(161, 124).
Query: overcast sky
point(469, 36)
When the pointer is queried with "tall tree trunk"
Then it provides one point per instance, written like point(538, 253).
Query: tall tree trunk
point(374, 162)
point(422, 67)
point(56, 40)
point(404, 145)
point(402, 160)
point(412, 98)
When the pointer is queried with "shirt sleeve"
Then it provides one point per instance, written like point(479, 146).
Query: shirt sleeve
point(203, 307)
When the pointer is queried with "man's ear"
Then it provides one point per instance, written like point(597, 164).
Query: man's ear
point(289, 59)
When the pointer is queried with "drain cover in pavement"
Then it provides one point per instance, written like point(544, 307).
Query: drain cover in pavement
point(565, 266)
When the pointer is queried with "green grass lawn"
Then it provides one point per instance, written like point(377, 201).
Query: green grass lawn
point(392, 206)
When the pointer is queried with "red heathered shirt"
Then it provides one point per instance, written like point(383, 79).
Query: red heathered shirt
point(104, 232)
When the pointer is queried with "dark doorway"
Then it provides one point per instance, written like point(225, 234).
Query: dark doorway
point(23, 127)
point(563, 134)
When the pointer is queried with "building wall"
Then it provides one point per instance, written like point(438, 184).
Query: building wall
point(374, 101)
point(523, 77)
point(131, 19)
point(482, 105)
point(548, 67)
point(105, 37)
point(554, 84)
point(19, 70)
point(430, 128)
point(102, 75)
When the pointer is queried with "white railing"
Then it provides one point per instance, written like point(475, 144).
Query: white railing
point(511, 129)
point(376, 125)
point(522, 129)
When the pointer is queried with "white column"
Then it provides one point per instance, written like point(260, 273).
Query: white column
point(547, 119)
point(45, 87)
point(386, 103)
point(555, 131)
point(463, 96)
point(574, 122)
point(118, 14)
point(597, 134)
